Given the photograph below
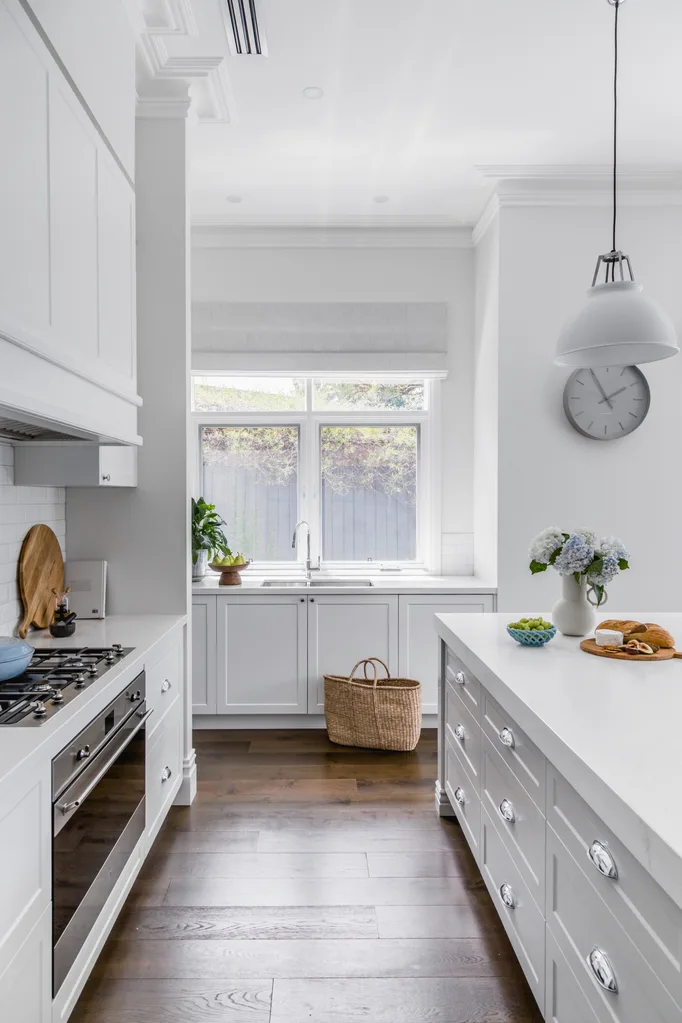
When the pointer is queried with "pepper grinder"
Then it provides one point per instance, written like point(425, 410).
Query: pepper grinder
point(64, 621)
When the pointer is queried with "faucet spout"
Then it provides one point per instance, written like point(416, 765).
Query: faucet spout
point(294, 543)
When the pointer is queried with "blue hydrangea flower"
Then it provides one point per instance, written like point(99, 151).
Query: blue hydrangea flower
point(609, 571)
point(575, 557)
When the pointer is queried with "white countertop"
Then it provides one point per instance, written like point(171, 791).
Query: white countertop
point(389, 582)
point(143, 632)
point(612, 728)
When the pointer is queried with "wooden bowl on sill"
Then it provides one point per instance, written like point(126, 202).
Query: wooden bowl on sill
point(230, 575)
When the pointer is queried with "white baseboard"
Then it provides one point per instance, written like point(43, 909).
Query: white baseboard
point(188, 786)
point(443, 804)
point(271, 721)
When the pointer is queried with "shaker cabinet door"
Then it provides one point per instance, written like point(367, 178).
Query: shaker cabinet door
point(345, 629)
point(261, 662)
point(204, 681)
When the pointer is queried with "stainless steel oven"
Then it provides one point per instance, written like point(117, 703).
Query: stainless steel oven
point(98, 800)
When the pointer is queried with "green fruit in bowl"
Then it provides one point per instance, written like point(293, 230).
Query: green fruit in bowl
point(239, 560)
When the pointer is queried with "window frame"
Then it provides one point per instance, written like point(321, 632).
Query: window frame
point(309, 423)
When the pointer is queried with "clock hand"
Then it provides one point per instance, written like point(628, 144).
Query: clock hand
point(608, 398)
point(601, 389)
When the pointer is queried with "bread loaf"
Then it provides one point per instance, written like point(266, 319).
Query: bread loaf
point(623, 625)
point(646, 633)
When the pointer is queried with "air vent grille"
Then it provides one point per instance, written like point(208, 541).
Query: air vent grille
point(243, 31)
point(14, 429)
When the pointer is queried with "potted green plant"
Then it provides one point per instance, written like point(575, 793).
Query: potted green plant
point(208, 537)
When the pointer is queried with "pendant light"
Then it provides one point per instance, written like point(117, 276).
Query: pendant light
point(618, 325)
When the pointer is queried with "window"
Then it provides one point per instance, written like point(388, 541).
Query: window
point(350, 456)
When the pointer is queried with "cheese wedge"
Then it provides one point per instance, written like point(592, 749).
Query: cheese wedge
point(608, 637)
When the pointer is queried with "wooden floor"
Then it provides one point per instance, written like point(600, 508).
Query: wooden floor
point(308, 882)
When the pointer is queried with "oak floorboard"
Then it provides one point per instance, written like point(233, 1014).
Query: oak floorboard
point(251, 865)
point(207, 816)
point(353, 891)
point(362, 838)
point(249, 923)
point(451, 863)
point(414, 1000)
point(186, 959)
point(175, 1001)
point(279, 790)
point(212, 774)
point(471, 921)
point(173, 841)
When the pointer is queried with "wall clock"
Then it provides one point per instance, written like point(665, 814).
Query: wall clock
point(606, 403)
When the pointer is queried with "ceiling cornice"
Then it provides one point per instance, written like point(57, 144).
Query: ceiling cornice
point(336, 236)
point(168, 50)
point(583, 185)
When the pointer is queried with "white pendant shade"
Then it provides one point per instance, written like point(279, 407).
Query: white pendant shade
point(617, 326)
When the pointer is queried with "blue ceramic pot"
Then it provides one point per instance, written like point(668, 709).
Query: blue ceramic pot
point(15, 657)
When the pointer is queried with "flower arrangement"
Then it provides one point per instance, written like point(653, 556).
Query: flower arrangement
point(580, 554)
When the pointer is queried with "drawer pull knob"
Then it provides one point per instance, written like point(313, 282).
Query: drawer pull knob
point(459, 732)
point(507, 738)
point(507, 895)
point(603, 860)
point(507, 811)
point(459, 795)
point(598, 962)
point(459, 678)
point(165, 774)
point(83, 753)
point(165, 685)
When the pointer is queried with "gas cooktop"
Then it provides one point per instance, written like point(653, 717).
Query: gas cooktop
point(54, 677)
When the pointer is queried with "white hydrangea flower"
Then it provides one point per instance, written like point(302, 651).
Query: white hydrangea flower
point(544, 545)
point(614, 547)
point(588, 535)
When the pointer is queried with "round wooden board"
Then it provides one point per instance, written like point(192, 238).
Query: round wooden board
point(590, 647)
point(41, 569)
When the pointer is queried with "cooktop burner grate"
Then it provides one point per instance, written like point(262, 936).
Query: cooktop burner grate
point(55, 676)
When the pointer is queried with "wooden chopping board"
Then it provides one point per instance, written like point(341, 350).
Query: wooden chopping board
point(590, 647)
point(41, 570)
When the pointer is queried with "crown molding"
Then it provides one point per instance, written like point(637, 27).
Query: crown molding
point(167, 51)
point(209, 234)
point(489, 215)
point(162, 107)
point(583, 185)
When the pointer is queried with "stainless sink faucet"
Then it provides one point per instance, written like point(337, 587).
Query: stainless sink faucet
point(294, 543)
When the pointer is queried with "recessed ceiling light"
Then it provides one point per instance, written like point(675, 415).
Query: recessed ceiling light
point(313, 92)
point(233, 198)
point(381, 198)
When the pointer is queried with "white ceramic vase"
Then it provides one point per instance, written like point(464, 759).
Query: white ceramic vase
point(200, 566)
point(573, 614)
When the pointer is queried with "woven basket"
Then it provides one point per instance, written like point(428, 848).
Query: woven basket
point(377, 713)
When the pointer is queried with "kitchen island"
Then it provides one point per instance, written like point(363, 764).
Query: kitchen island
point(564, 770)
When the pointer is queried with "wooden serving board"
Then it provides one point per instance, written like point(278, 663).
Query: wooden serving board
point(41, 570)
point(590, 647)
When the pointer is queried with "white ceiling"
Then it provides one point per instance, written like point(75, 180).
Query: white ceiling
point(417, 94)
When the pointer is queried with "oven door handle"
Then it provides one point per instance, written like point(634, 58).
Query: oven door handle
point(119, 747)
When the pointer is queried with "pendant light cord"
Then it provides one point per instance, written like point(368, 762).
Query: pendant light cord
point(615, 128)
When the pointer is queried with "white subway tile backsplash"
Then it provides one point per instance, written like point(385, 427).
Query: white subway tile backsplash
point(457, 554)
point(21, 508)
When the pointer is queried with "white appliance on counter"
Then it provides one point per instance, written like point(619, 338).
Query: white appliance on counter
point(88, 582)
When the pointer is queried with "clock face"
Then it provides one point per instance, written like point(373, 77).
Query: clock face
point(606, 403)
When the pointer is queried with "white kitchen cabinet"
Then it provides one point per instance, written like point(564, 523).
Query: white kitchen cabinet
point(419, 646)
point(261, 659)
point(26, 984)
point(67, 262)
point(75, 465)
point(204, 688)
point(345, 629)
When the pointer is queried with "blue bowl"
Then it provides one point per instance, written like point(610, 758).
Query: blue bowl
point(532, 637)
point(15, 657)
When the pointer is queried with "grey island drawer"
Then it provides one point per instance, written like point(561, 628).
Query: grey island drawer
point(463, 796)
point(464, 683)
point(619, 984)
point(519, 753)
point(464, 733)
point(517, 818)
point(519, 912)
point(565, 1000)
point(646, 913)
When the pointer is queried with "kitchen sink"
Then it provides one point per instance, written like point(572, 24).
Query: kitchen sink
point(313, 583)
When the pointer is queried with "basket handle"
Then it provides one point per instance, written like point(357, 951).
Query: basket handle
point(374, 661)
